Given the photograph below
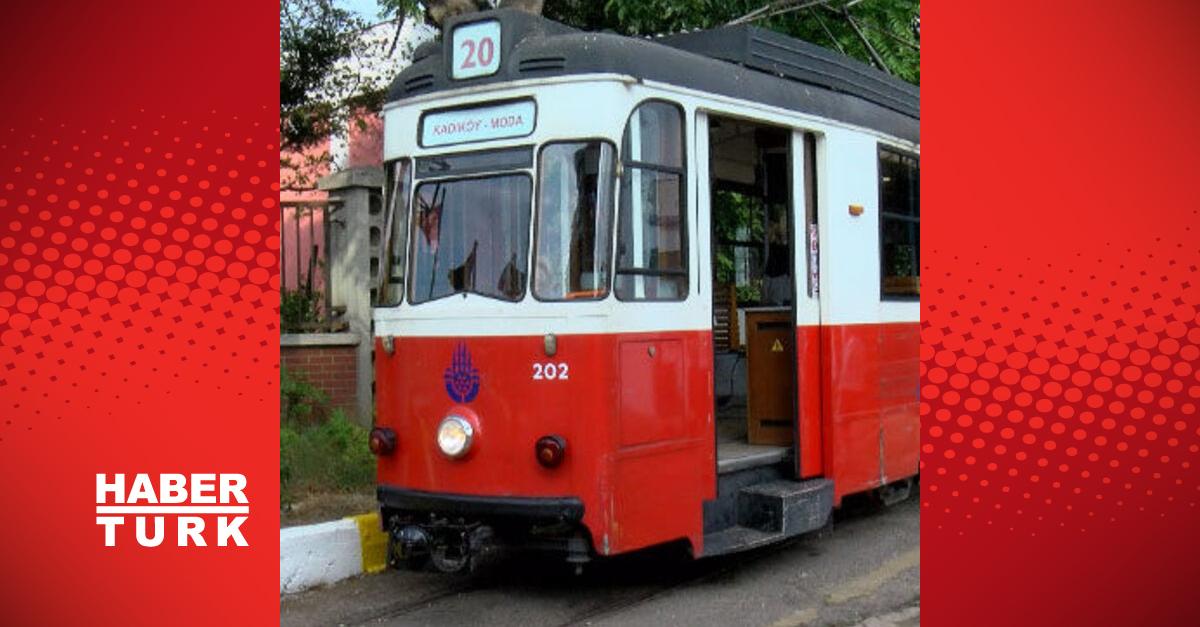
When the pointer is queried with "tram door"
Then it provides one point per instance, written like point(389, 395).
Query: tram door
point(755, 240)
point(810, 444)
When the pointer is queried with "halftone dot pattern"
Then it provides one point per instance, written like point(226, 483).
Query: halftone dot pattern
point(139, 255)
point(1060, 397)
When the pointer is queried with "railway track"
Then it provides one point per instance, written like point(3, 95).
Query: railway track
point(678, 575)
point(403, 608)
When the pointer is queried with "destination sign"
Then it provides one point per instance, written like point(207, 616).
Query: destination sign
point(512, 119)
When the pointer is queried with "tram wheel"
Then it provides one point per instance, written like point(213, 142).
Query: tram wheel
point(397, 559)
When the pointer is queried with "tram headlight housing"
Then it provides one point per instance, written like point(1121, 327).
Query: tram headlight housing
point(454, 436)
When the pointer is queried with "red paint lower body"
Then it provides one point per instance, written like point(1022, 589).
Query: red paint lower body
point(636, 411)
point(870, 404)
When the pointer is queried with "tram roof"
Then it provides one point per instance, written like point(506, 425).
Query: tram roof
point(739, 61)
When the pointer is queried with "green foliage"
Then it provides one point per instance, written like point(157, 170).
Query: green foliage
point(329, 457)
point(299, 307)
point(400, 8)
point(738, 221)
point(319, 450)
point(289, 440)
point(903, 260)
point(737, 217)
point(750, 294)
point(886, 24)
point(319, 92)
point(299, 401)
point(314, 36)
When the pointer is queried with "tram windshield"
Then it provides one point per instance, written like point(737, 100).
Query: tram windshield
point(471, 236)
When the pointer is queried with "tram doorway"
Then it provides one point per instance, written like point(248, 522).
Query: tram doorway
point(754, 303)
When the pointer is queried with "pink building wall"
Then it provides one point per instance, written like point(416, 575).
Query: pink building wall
point(303, 228)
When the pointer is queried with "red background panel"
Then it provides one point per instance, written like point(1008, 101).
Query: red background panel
point(1059, 331)
point(138, 301)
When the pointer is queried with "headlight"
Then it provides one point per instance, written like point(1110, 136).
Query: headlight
point(454, 436)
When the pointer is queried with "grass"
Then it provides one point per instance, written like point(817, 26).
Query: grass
point(320, 451)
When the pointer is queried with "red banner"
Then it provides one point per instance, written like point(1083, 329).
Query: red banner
point(1059, 329)
point(138, 311)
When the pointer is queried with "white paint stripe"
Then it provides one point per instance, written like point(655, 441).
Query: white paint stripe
point(509, 327)
point(172, 509)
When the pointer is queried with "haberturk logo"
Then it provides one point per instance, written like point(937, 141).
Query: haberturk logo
point(199, 505)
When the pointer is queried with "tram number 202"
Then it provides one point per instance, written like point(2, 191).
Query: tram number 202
point(551, 371)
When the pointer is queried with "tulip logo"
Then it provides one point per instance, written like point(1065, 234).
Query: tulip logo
point(462, 380)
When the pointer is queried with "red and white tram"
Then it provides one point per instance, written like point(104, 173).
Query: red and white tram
point(642, 291)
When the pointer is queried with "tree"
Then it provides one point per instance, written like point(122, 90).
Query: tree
point(879, 32)
point(323, 88)
point(885, 33)
point(313, 37)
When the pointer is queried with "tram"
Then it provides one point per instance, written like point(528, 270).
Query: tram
point(641, 291)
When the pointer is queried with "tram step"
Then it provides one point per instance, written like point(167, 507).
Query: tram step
point(735, 539)
point(785, 507)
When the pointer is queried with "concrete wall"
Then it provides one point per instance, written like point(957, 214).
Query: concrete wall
point(316, 555)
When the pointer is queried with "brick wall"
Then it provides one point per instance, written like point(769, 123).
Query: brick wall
point(329, 368)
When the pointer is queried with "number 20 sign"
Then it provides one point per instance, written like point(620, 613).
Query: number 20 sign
point(476, 49)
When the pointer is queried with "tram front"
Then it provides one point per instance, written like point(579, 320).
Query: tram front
point(530, 370)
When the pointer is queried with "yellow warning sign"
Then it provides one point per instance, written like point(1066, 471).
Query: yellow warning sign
point(777, 347)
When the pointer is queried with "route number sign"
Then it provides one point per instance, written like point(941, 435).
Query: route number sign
point(476, 49)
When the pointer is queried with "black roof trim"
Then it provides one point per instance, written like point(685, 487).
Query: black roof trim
point(742, 62)
point(790, 58)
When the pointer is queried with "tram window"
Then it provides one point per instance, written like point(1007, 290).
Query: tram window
point(651, 237)
point(471, 236)
point(574, 223)
point(399, 187)
point(899, 224)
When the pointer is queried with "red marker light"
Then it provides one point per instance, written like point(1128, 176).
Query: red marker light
point(382, 441)
point(550, 450)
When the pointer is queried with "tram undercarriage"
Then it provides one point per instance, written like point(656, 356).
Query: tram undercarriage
point(456, 533)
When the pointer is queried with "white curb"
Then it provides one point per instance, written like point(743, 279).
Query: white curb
point(315, 555)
